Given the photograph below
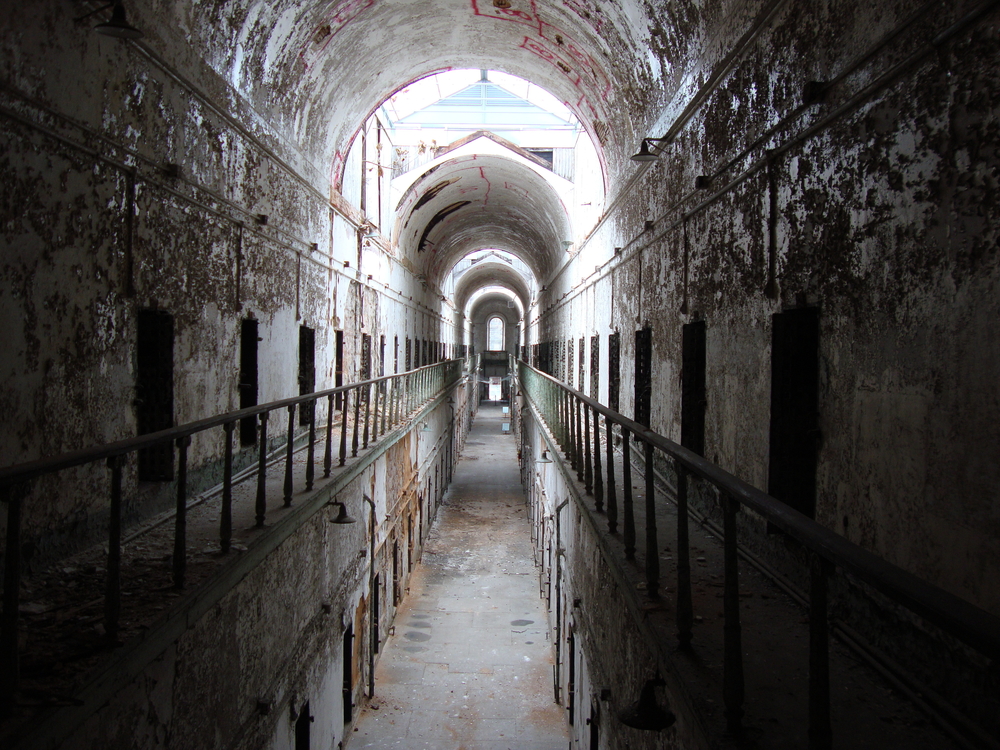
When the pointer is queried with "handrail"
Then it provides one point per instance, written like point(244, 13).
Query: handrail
point(568, 413)
point(31, 469)
point(379, 405)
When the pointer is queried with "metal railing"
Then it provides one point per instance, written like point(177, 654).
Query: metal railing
point(378, 405)
point(584, 429)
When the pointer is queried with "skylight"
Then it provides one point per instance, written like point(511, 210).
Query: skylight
point(469, 100)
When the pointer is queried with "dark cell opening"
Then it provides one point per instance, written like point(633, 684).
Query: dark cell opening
point(249, 384)
point(595, 367)
point(338, 372)
point(643, 374)
point(154, 391)
point(395, 573)
point(307, 370)
point(614, 370)
point(794, 439)
point(302, 727)
point(348, 661)
point(376, 611)
point(693, 387)
point(366, 356)
point(570, 362)
point(409, 354)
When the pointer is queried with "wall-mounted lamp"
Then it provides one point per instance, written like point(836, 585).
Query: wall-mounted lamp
point(618, 251)
point(648, 151)
point(647, 713)
point(343, 517)
point(567, 244)
point(425, 427)
point(314, 247)
point(544, 458)
point(117, 26)
point(347, 264)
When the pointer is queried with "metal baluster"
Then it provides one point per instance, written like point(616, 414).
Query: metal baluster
point(598, 479)
point(732, 680)
point(384, 386)
point(261, 506)
point(567, 427)
point(570, 425)
point(113, 580)
point(685, 610)
point(289, 452)
point(343, 427)
point(578, 443)
point(652, 543)
point(10, 667)
point(226, 520)
point(357, 420)
point(629, 519)
point(311, 449)
point(180, 517)
point(612, 496)
point(588, 470)
point(368, 412)
point(377, 388)
point(328, 448)
point(820, 733)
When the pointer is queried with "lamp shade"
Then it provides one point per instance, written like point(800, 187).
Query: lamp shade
point(644, 154)
point(118, 26)
point(647, 713)
point(343, 517)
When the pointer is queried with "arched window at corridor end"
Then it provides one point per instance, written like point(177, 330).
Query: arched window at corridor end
point(495, 334)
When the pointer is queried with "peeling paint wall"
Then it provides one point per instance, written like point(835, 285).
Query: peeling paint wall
point(884, 217)
point(157, 188)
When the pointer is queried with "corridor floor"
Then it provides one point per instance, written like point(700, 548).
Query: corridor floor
point(469, 663)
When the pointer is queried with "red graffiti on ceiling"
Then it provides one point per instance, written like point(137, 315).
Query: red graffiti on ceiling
point(556, 47)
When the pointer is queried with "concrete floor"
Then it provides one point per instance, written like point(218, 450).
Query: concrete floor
point(469, 663)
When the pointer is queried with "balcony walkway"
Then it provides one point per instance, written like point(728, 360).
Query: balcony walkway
point(470, 662)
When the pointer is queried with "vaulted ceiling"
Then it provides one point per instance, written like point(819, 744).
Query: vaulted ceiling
point(320, 68)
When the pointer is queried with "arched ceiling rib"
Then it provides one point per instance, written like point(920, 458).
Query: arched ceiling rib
point(320, 68)
point(491, 274)
point(492, 303)
point(477, 202)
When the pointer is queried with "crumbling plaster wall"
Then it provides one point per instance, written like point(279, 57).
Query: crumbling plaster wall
point(614, 652)
point(241, 672)
point(885, 219)
point(131, 180)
